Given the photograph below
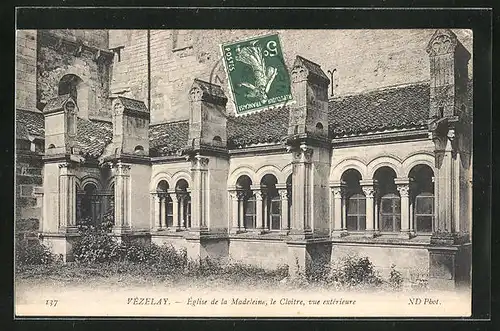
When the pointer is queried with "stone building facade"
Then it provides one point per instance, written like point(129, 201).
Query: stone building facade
point(140, 124)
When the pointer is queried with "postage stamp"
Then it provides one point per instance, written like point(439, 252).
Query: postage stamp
point(258, 77)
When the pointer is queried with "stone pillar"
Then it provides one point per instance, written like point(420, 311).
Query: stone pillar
point(369, 191)
point(284, 209)
point(301, 191)
point(175, 209)
point(403, 186)
point(67, 198)
point(241, 210)
point(259, 219)
point(338, 192)
point(122, 198)
point(199, 174)
point(235, 225)
point(182, 212)
point(156, 211)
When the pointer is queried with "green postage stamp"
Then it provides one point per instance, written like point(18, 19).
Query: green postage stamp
point(257, 73)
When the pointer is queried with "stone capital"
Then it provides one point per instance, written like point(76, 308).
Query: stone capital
point(122, 169)
point(369, 191)
point(338, 192)
point(403, 189)
point(258, 195)
point(443, 41)
point(199, 162)
point(233, 195)
point(302, 153)
point(283, 194)
point(241, 195)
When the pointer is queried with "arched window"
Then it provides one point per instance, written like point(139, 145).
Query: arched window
point(77, 89)
point(422, 196)
point(389, 200)
point(184, 203)
point(272, 203)
point(139, 150)
point(90, 205)
point(217, 141)
point(69, 85)
point(355, 201)
point(247, 202)
point(164, 206)
point(319, 126)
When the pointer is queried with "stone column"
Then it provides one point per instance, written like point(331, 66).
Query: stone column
point(122, 194)
point(156, 211)
point(182, 212)
point(241, 209)
point(175, 209)
point(284, 209)
point(301, 191)
point(235, 225)
point(376, 217)
point(259, 209)
point(369, 192)
point(67, 198)
point(404, 191)
point(338, 193)
point(265, 212)
point(199, 173)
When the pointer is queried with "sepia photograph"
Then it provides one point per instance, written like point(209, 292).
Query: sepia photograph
point(243, 172)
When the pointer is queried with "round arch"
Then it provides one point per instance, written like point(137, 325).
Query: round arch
point(417, 159)
point(90, 180)
point(272, 170)
point(287, 171)
point(384, 161)
point(158, 178)
point(240, 171)
point(347, 164)
point(181, 175)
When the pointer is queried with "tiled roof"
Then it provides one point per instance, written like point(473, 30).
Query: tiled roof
point(396, 108)
point(93, 136)
point(263, 127)
point(168, 138)
point(29, 123)
point(56, 103)
point(311, 66)
point(133, 104)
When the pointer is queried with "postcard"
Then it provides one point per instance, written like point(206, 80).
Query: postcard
point(243, 173)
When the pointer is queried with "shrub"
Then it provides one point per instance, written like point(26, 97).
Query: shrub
point(203, 267)
point(395, 278)
point(32, 252)
point(96, 246)
point(353, 271)
point(164, 259)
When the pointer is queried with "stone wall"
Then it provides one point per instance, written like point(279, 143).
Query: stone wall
point(263, 253)
point(28, 178)
point(364, 60)
point(57, 56)
point(26, 42)
point(95, 38)
point(412, 261)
